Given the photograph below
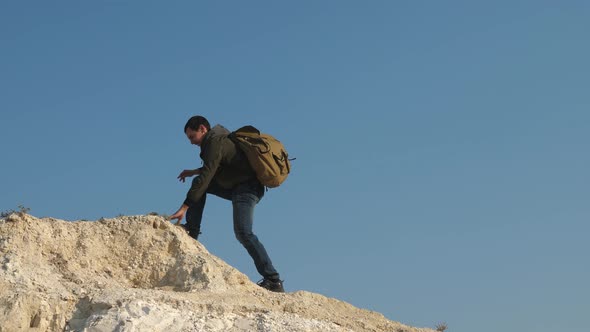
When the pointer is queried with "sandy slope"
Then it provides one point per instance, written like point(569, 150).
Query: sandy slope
point(141, 273)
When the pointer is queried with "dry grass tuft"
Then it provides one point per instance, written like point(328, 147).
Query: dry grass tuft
point(441, 327)
point(22, 210)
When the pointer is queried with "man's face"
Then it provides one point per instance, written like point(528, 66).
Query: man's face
point(196, 136)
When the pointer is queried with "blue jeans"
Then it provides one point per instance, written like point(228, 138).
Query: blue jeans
point(244, 198)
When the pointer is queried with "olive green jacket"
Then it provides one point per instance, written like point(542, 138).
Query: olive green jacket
point(223, 163)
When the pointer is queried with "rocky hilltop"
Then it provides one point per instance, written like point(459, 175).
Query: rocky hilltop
point(141, 273)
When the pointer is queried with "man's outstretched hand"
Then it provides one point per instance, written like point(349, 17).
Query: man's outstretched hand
point(187, 173)
point(179, 215)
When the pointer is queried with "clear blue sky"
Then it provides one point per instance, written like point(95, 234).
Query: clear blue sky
point(442, 168)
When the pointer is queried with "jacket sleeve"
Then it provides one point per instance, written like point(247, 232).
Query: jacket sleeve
point(211, 160)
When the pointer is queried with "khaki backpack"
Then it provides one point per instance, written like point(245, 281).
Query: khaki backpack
point(266, 155)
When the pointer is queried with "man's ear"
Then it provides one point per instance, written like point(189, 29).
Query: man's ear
point(202, 128)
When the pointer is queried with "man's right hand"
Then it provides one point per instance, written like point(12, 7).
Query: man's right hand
point(179, 215)
point(187, 173)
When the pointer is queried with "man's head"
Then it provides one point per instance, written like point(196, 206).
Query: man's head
point(196, 128)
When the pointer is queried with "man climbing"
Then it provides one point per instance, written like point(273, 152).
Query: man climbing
point(225, 173)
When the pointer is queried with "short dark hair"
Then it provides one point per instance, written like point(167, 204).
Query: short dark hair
point(195, 122)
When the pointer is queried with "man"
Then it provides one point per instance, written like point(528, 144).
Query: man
point(226, 173)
